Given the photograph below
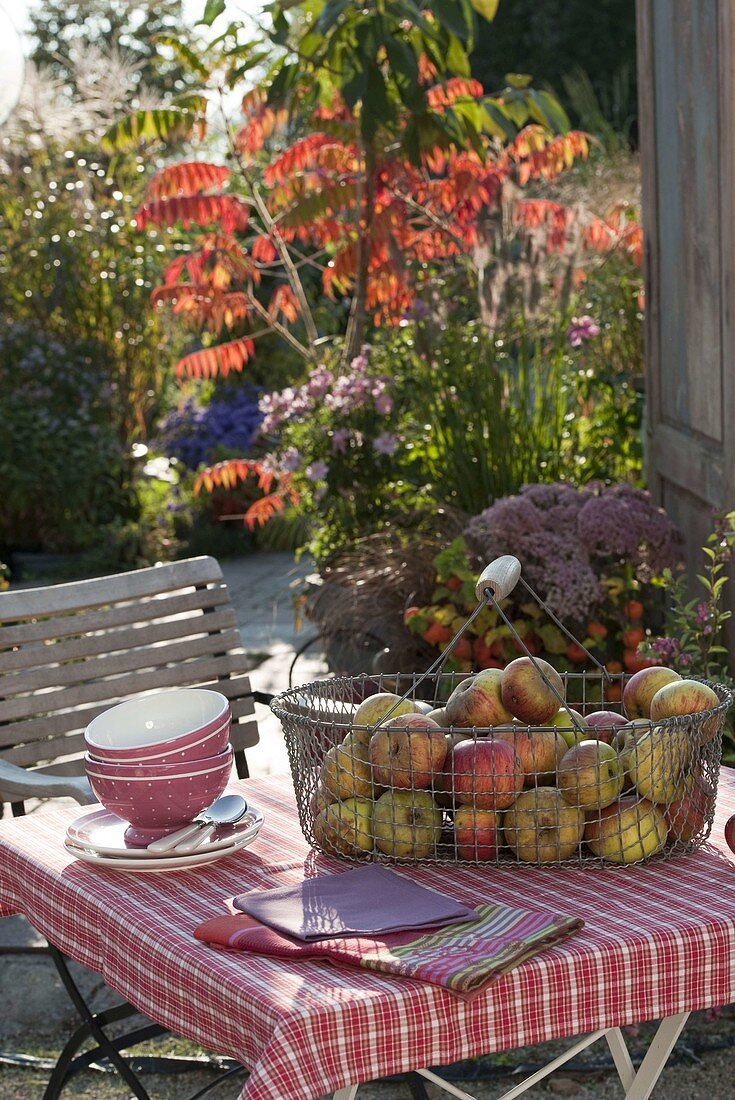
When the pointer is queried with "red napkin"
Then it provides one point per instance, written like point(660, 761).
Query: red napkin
point(461, 958)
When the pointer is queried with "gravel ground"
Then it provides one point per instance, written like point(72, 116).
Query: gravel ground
point(696, 1073)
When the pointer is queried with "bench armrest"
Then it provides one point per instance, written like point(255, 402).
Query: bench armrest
point(17, 784)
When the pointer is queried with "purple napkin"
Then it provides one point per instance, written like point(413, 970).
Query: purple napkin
point(364, 902)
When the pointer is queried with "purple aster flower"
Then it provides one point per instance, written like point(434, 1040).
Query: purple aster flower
point(317, 471)
point(290, 459)
point(340, 439)
point(386, 443)
point(701, 614)
point(360, 363)
point(319, 383)
point(582, 329)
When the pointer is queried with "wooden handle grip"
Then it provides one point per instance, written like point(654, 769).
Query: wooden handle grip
point(501, 575)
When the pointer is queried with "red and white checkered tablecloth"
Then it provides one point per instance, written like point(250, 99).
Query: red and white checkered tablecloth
point(658, 940)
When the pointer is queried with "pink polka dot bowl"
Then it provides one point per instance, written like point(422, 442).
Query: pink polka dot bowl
point(159, 798)
point(184, 724)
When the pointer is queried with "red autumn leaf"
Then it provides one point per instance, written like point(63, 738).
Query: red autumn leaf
point(227, 211)
point(283, 301)
point(263, 251)
point(296, 158)
point(217, 360)
point(187, 178)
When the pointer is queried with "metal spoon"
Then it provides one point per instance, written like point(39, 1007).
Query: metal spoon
point(224, 811)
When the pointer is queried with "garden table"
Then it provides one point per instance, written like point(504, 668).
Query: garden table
point(658, 942)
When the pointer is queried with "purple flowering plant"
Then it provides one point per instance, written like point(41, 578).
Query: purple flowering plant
point(340, 436)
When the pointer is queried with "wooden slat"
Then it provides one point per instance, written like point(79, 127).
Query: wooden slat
point(54, 725)
point(180, 674)
point(118, 615)
point(80, 595)
point(688, 462)
point(135, 640)
point(78, 676)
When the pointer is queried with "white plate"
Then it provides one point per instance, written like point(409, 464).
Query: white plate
point(160, 863)
point(104, 833)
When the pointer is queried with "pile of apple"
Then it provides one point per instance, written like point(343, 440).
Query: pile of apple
point(502, 767)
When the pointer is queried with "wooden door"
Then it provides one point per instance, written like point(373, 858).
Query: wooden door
point(685, 58)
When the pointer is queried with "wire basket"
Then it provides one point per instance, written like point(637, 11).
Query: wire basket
point(381, 773)
point(414, 808)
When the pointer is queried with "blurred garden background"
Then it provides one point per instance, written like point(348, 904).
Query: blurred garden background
point(357, 281)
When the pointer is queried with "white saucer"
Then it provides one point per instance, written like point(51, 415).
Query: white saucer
point(103, 833)
point(162, 862)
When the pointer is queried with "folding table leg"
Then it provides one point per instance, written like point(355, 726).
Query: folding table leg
point(656, 1057)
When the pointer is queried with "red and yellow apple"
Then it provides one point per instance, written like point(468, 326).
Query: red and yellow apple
point(346, 771)
point(730, 833)
point(571, 725)
point(656, 761)
point(476, 701)
point(373, 709)
point(485, 774)
point(628, 830)
point(541, 826)
point(604, 725)
point(532, 690)
point(407, 824)
point(539, 750)
point(688, 697)
point(477, 833)
point(687, 816)
point(346, 828)
point(640, 689)
point(590, 775)
point(407, 751)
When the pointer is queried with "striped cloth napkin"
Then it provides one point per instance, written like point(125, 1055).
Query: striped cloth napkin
point(461, 958)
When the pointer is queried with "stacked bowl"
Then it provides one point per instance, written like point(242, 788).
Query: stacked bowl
point(159, 760)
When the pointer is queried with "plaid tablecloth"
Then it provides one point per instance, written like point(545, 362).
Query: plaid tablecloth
point(658, 940)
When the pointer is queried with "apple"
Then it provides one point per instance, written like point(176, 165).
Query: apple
point(531, 695)
point(346, 771)
point(688, 697)
point(541, 826)
point(624, 742)
point(346, 828)
point(476, 701)
point(627, 830)
point(641, 688)
point(604, 725)
point(438, 715)
point(407, 824)
point(730, 833)
point(477, 834)
point(567, 728)
point(656, 762)
point(590, 775)
point(373, 709)
point(539, 751)
point(485, 774)
point(319, 801)
point(689, 814)
point(407, 751)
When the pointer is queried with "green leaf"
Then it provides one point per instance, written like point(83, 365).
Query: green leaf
point(486, 8)
point(211, 11)
point(457, 60)
point(450, 15)
point(497, 121)
point(160, 124)
point(185, 54)
point(330, 14)
point(376, 106)
point(517, 80)
point(548, 111)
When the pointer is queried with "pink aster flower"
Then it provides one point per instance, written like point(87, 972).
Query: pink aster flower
point(290, 459)
point(340, 439)
point(582, 329)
